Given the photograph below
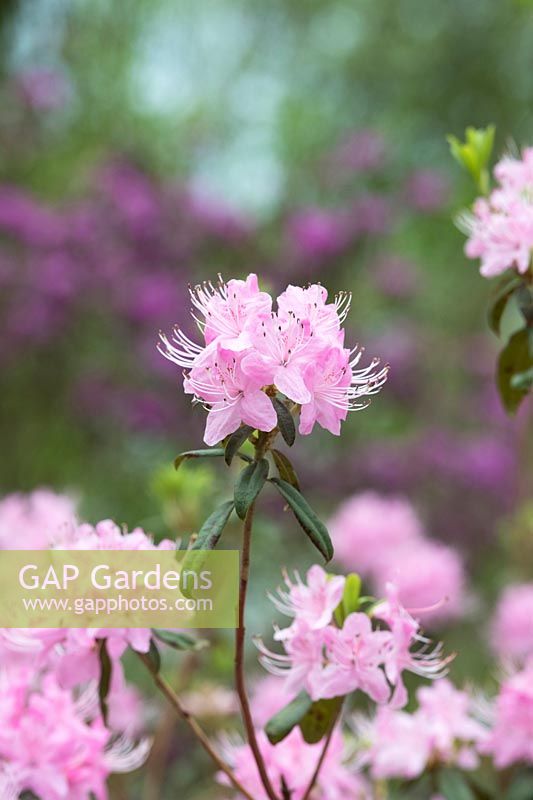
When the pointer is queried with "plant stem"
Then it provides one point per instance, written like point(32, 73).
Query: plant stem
point(197, 730)
point(239, 656)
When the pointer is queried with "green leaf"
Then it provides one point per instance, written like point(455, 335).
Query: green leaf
point(514, 359)
point(524, 297)
point(521, 788)
point(474, 153)
point(215, 452)
point(235, 441)
point(350, 598)
point(104, 681)
point(311, 524)
point(501, 293)
point(285, 469)
point(285, 421)
point(320, 718)
point(285, 720)
point(248, 485)
point(211, 530)
point(453, 786)
point(178, 640)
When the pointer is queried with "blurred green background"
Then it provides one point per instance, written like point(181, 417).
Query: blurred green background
point(150, 144)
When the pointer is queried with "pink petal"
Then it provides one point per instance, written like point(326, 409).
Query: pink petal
point(221, 422)
point(257, 410)
point(289, 380)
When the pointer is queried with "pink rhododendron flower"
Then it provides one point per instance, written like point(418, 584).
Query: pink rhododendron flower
point(512, 625)
point(269, 696)
point(511, 738)
point(51, 745)
point(312, 602)
point(73, 652)
point(430, 580)
point(292, 763)
point(327, 661)
point(500, 228)
point(368, 526)
point(35, 521)
point(251, 352)
point(442, 730)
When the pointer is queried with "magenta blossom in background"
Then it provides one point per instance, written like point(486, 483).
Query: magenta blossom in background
point(427, 191)
point(42, 89)
point(319, 233)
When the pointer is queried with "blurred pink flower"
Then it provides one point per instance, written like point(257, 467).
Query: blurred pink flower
point(430, 579)
point(50, 747)
point(318, 233)
point(35, 521)
point(512, 624)
point(42, 89)
point(427, 191)
point(511, 737)
point(368, 526)
point(292, 762)
point(443, 730)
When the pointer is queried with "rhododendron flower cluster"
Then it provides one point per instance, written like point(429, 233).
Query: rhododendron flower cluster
point(73, 652)
point(512, 625)
point(292, 763)
point(252, 351)
point(34, 521)
point(511, 736)
point(501, 226)
point(443, 730)
point(54, 745)
point(377, 536)
point(367, 653)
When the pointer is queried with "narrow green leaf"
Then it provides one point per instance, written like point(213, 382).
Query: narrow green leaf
point(311, 524)
point(320, 718)
point(211, 530)
point(453, 786)
point(235, 441)
point(501, 293)
point(514, 359)
point(207, 539)
point(285, 720)
point(285, 421)
point(215, 452)
point(178, 640)
point(248, 485)
point(104, 681)
point(524, 297)
point(285, 469)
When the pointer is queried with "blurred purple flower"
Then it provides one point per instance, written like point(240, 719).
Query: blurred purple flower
point(396, 277)
point(217, 219)
point(21, 216)
point(318, 233)
point(371, 214)
point(42, 89)
point(427, 191)
point(361, 151)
